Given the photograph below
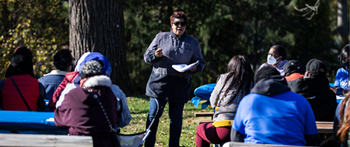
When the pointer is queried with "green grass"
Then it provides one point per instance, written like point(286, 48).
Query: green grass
point(139, 110)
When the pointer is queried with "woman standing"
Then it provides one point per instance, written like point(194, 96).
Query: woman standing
point(231, 87)
point(166, 84)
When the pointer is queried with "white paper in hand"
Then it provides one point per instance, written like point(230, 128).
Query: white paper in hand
point(184, 67)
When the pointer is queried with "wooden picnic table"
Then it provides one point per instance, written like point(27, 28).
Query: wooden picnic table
point(325, 127)
point(322, 126)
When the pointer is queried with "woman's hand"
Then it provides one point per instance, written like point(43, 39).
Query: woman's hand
point(333, 89)
point(159, 52)
point(193, 69)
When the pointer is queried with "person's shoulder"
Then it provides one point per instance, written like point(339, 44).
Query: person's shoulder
point(77, 92)
point(341, 71)
point(117, 90)
point(295, 96)
point(251, 98)
point(223, 75)
point(51, 76)
point(192, 38)
point(296, 81)
point(161, 34)
point(71, 75)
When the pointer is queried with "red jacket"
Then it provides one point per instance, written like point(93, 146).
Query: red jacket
point(294, 76)
point(69, 78)
point(32, 91)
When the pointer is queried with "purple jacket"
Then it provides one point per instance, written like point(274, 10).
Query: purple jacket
point(82, 114)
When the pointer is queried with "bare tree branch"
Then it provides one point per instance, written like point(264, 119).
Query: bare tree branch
point(309, 10)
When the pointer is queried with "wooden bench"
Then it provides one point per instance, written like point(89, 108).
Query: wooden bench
point(324, 126)
point(204, 114)
point(45, 140)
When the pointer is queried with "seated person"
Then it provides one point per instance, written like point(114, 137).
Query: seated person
point(81, 112)
point(106, 70)
point(63, 62)
point(293, 70)
point(341, 78)
point(231, 87)
point(20, 74)
point(276, 58)
point(315, 88)
point(69, 78)
point(342, 122)
point(272, 114)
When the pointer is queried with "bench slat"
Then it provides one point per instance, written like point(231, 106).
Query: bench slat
point(45, 140)
point(199, 114)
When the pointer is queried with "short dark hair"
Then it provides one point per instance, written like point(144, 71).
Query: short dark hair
point(280, 51)
point(316, 68)
point(178, 14)
point(62, 59)
point(265, 72)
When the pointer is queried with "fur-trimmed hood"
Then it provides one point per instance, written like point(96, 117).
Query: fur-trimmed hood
point(100, 80)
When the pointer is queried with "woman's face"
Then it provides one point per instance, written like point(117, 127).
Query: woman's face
point(177, 26)
point(273, 53)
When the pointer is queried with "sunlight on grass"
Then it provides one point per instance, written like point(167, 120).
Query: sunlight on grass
point(139, 110)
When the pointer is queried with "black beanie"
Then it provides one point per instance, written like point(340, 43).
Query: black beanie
point(316, 68)
point(293, 66)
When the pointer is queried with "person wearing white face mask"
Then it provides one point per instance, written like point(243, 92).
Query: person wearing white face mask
point(276, 58)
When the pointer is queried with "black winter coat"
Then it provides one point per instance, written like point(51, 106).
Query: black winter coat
point(316, 90)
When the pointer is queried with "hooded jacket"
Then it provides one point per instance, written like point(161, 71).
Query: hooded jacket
point(272, 114)
point(316, 90)
point(68, 78)
point(82, 114)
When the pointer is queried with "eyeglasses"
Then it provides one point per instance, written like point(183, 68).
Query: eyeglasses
point(182, 23)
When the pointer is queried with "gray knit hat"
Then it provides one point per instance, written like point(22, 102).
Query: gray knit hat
point(91, 68)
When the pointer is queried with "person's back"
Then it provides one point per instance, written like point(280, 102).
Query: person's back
point(21, 72)
point(63, 63)
point(272, 114)
point(315, 88)
point(29, 87)
point(82, 113)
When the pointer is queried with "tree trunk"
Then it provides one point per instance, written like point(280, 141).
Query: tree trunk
point(342, 22)
point(98, 26)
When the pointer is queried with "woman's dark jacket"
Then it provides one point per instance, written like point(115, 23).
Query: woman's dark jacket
point(165, 82)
